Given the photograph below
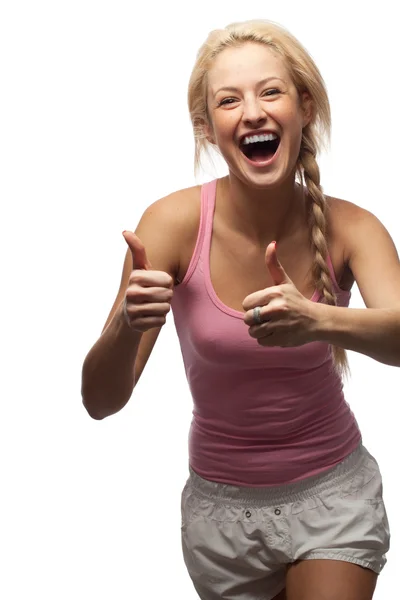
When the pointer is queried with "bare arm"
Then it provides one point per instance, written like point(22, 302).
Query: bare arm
point(374, 262)
point(115, 362)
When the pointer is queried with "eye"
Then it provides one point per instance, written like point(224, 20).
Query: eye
point(272, 92)
point(226, 101)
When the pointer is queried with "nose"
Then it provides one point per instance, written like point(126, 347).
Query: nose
point(253, 112)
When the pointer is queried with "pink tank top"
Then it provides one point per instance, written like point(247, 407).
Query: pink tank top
point(261, 416)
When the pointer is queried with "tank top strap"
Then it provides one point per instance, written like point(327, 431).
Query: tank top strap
point(201, 250)
point(208, 197)
point(332, 272)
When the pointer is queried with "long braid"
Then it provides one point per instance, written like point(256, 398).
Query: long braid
point(317, 221)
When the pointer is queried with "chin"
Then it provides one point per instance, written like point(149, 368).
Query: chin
point(271, 175)
point(261, 181)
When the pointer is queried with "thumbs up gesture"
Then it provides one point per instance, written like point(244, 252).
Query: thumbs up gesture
point(149, 293)
point(288, 318)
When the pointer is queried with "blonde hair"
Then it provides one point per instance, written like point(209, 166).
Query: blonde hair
point(307, 78)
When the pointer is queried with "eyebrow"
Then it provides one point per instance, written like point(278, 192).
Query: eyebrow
point(234, 89)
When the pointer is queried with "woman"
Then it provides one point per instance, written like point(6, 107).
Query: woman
point(283, 500)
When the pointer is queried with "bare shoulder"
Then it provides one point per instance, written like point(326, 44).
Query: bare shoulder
point(347, 221)
point(176, 206)
point(359, 228)
point(168, 225)
point(179, 211)
point(370, 253)
point(344, 209)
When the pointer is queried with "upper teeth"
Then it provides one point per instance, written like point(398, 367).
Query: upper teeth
point(251, 139)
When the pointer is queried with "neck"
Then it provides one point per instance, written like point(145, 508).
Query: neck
point(261, 215)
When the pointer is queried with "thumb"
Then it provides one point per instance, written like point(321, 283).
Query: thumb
point(275, 268)
point(139, 258)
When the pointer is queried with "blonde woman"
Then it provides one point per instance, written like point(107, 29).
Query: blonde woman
point(282, 499)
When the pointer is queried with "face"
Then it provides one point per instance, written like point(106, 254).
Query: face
point(250, 93)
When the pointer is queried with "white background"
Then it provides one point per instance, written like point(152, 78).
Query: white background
point(94, 128)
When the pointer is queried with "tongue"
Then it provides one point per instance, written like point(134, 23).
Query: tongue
point(261, 154)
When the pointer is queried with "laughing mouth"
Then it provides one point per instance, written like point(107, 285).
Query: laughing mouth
point(260, 148)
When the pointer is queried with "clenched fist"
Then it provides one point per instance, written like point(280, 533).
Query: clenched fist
point(149, 293)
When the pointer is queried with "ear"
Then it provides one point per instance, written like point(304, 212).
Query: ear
point(308, 108)
point(208, 132)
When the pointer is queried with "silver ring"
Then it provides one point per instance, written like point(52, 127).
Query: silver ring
point(257, 315)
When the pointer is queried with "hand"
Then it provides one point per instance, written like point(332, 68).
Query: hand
point(289, 318)
point(148, 296)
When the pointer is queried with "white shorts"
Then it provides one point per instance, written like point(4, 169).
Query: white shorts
point(238, 541)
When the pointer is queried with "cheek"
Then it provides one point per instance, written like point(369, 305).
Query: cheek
point(224, 123)
point(291, 115)
point(293, 122)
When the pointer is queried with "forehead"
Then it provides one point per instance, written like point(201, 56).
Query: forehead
point(248, 63)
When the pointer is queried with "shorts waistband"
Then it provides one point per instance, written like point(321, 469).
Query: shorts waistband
point(290, 492)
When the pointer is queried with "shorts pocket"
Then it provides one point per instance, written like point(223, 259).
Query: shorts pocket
point(189, 506)
point(379, 534)
point(365, 484)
